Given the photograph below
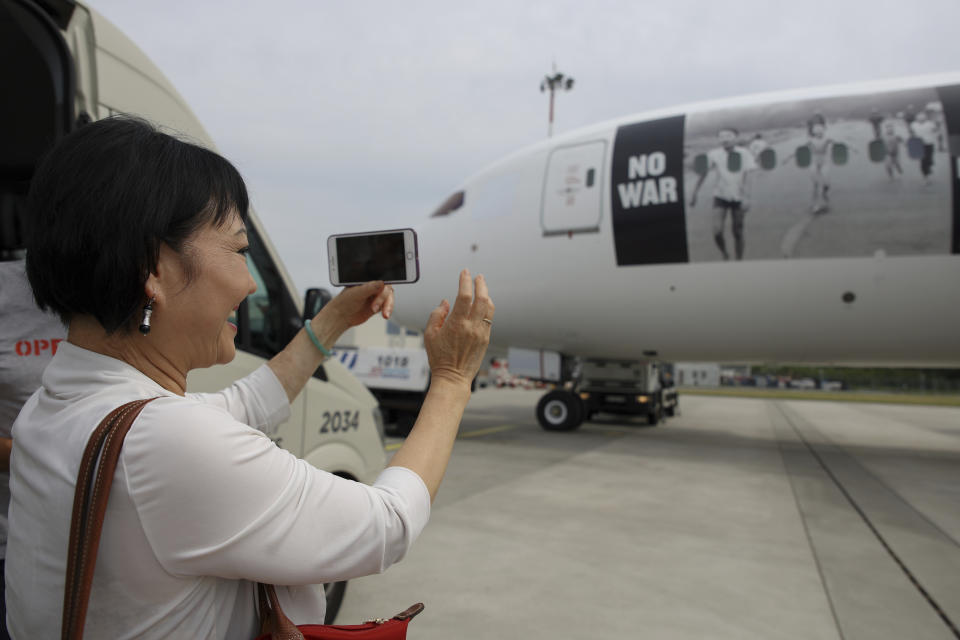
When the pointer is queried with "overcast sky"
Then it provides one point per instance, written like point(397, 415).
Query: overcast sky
point(354, 116)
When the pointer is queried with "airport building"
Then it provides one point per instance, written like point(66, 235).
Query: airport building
point(697, 374)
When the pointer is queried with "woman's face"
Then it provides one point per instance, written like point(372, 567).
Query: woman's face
point(194, 316)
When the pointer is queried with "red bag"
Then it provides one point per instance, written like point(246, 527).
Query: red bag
point(275, 625)
point(89, 509)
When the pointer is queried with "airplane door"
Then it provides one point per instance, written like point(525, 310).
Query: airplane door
point(572, 194)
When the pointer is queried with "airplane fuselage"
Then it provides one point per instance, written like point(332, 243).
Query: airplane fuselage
point(792, 237)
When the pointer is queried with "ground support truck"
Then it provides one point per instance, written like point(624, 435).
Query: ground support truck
point(397, 376)
point(626, 387)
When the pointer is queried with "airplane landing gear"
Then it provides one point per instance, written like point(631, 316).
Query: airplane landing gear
point(560, 410)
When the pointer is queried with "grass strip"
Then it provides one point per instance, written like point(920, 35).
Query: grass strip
point(882, 397)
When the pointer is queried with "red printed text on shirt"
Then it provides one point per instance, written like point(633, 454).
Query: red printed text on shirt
point(37, 347)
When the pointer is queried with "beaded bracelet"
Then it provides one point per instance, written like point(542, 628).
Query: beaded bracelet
point(316, 341)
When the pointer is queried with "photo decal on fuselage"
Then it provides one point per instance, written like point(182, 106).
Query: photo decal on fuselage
point(847, 176)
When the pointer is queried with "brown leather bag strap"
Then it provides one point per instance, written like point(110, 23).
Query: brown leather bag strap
point(89, 508)
point(80, 498)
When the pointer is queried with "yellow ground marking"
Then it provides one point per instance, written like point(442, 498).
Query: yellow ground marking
point(476, 433)
point(486, 432)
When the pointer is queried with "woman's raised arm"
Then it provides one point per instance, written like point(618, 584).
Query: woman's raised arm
point(456, 341)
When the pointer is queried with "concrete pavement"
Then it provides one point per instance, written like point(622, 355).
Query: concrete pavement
point(740, 518)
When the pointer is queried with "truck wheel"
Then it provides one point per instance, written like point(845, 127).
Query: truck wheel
point(560, 411)
point(655, 416)
point(405, 421)
point(334, 592)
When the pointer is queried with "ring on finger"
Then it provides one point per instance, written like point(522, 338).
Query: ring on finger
point(488, 321)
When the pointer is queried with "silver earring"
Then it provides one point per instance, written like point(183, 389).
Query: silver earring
point(145, 321)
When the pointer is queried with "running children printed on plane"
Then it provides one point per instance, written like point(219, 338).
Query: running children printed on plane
point(847, 176)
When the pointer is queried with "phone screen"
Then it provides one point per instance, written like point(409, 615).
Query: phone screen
point(371, 257)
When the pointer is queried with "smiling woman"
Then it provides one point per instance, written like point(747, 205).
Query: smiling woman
point(197, 332)
point(131, 228)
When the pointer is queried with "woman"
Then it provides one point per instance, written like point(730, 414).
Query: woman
point(127, 221)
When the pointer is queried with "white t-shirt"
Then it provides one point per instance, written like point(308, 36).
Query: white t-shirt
point(729, 185)
point(28, 339)
point(201, 504)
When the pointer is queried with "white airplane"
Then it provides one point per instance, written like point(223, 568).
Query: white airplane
point(812, 226)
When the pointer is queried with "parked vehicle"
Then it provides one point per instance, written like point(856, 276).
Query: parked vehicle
point(66, 65)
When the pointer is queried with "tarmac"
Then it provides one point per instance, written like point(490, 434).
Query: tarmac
point(739, 518)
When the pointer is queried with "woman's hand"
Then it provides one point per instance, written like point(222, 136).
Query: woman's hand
point(456, 339)
point(356, 305)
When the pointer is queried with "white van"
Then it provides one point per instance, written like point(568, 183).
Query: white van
point(62, 63)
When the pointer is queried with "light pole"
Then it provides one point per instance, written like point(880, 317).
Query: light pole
point(555, 82)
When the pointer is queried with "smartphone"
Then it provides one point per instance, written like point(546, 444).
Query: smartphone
point(390, 256)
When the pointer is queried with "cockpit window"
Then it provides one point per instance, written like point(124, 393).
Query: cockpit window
point(449, 205)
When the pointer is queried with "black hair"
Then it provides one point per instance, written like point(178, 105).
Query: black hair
point(101, 204)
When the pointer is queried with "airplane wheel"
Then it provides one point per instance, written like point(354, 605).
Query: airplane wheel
point(560, 411)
